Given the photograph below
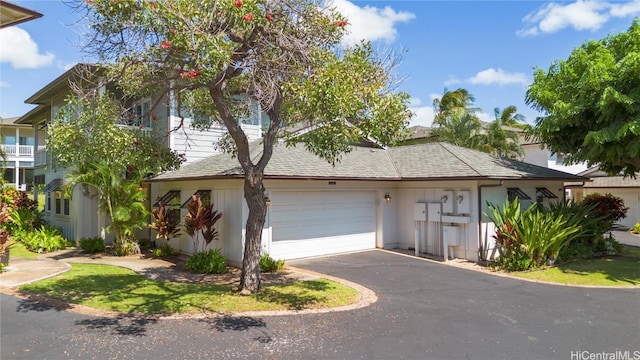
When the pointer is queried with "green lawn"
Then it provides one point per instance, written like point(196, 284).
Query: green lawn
point(18, 250)
point(117, 289)
point(607, 271)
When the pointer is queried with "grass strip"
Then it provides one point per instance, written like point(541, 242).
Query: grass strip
point(118, 289)
point(623, 269)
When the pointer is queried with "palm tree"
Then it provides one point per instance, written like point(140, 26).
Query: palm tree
point(453, 104)
point(510, 117)
point(118, 197)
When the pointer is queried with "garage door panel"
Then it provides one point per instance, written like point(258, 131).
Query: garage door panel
point(317, 223)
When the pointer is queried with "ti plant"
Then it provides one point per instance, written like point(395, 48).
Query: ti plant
point(201, 220)
point(166, 222)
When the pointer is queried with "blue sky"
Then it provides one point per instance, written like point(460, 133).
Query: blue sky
point(488, 47)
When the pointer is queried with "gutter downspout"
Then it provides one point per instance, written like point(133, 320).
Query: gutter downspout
point(480, 187)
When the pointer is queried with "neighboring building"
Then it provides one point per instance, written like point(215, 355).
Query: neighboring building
point(77, 215)
point(427, 197)
point(628, 189)
point(12, 14)
point(18, 146)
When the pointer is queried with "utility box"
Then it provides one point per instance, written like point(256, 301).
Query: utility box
point(434, 212)
point(447, 201)
point(420, 212)
point(463, 202)
point(451, 235)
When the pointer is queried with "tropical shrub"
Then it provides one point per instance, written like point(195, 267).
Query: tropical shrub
point(92, 245)
point(165, 222)
point(164, 250)
point(268, 264)
point(201, 220)
point(608, 207)
point(45, 239)
point(125, 247)
point(208, 262)
point(6, 243)
point(537, 235)
point(636, 228)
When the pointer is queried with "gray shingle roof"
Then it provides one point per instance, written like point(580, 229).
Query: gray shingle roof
point(613, 182)
point(429, 161)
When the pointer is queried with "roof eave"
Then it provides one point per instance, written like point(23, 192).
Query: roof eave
point(27, 14)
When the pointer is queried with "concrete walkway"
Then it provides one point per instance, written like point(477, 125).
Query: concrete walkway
point(626, 237)
point(22, 271)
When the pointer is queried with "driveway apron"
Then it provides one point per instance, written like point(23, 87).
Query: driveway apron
point(425, 310)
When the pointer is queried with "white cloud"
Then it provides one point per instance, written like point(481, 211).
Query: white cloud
point(19, 49)
point(423, 115)
point(631, 8)
point(500, 77)
point(370, 23)
point(4, 84)
point(452, 81)
point(580, 15)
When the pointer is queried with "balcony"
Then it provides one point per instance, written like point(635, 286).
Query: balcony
point(41, 157)
point(19, 151)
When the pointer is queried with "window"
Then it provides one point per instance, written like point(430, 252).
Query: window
point(140, 114)
point(66, 205)
point(9, 139)
point(516, 193)
point(49, 201)
point(205, 197)
point(542, 193)
point(58, 197)
point(24, 140)
point(171, 201)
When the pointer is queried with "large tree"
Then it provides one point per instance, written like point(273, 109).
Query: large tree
point(217, 56)
point(591, 103)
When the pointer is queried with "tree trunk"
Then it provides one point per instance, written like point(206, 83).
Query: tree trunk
point(254, 195)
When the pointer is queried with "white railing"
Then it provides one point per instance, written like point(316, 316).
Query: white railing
point(146, 131)
point(17, 150)
point(40, 157)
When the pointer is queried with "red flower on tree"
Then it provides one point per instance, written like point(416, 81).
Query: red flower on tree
point(190, 74)
point(154, 4)
point(268, 16)
point(238, 3)
point(342, 23)
point(130, 169)
point(166, 44)
point(248, 17)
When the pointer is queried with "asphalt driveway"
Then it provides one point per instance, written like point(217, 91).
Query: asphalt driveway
point(425, 310)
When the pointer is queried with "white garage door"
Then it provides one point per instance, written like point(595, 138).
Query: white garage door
point(312, 223)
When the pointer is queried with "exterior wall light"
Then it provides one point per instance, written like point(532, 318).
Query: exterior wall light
point(459, 198)
point(387, 197)
point(267, 201)
point(444, 198)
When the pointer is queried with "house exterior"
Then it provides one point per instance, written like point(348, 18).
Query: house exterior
point(426, 197)
point(12, 14)
point(77, 215)
point(626, 188)
point(18, 146)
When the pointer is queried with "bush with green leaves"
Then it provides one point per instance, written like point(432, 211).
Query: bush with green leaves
point(163, 251)
point(42, 240)
point(269, 264)
point(530, 238)
point(125, 247)
point(92, 245)
point(207, 262)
